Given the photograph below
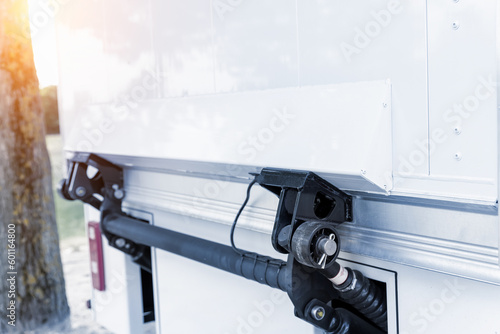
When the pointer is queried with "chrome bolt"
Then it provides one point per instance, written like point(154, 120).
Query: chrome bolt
point(318, 313)
point(457, 130)
point(80, 191)
point(455, 25)
point(458, 156)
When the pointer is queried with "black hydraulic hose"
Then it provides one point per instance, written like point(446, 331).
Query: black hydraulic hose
point(365, 296)
point(346, 322)
point(259, 268)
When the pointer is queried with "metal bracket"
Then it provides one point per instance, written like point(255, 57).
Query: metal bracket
point(92, 189)
point(317, 303)
point(303, 196)
point(103, 189)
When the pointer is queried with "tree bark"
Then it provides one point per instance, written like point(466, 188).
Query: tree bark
point(26, 202)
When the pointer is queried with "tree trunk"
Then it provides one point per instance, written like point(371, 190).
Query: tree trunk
point(32, 290)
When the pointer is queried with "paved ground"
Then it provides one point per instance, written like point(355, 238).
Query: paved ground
point(75, 258)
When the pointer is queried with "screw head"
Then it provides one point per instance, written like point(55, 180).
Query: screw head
point(455, 25)
point(119, 193)
point(81, 191)
point(120, 242)
point(458, 156)
point(457, 129)
point(318, 313)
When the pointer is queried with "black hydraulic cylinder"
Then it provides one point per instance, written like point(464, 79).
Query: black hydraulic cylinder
point(259, 268)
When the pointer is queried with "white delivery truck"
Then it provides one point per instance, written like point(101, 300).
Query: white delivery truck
point(343, 154)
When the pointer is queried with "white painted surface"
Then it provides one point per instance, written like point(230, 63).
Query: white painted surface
point(462, 90)
point(310, 128)
point(131, 76)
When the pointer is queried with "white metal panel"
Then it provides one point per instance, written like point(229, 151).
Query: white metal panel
point(462, 88)
point(470, 190)
point(315, 128)
point(166, 49)
point(343, 41)
point(434, 304)
point(81, 51)
point(129, 56)
point(255, 44)
point(182, 34)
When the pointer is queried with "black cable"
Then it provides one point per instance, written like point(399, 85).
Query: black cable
point(233, 227)
point(254, 256)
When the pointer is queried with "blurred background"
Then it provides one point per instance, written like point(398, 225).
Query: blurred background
point(69, 214)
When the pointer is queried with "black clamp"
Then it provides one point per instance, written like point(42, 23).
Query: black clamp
point(92, 186)
point(307, 210)
point(98, 182)
point(316, 302)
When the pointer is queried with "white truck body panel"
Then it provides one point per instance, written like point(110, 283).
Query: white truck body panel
point(394, 102)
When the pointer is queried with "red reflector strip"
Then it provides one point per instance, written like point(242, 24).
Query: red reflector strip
point(96, 256)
